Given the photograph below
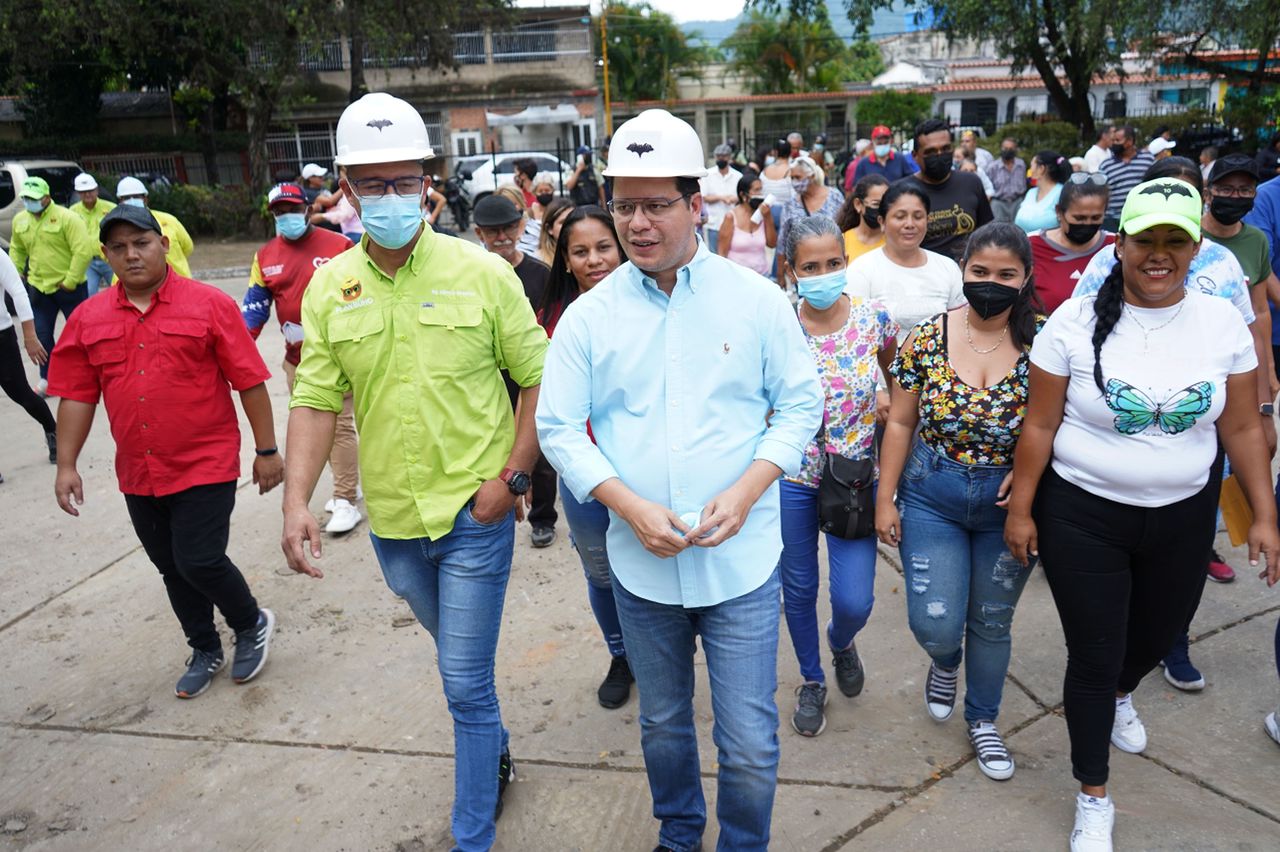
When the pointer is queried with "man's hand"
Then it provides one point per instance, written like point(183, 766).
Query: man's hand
point(882, 407)
point(656, 528)
point(722, 518)
point(35, 349)
point(493, 500)
point(68, 486)
point(69, 286)
point(301, 526)
point(268, 472)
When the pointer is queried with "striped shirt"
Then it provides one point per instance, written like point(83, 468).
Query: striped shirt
point(1123, 176)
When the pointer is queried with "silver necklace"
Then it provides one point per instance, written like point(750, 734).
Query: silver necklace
point(968, 333)
point(1146, 332)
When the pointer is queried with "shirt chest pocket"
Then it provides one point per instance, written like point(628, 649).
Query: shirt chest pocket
point(105, 347)
point(184, 346)
point(354, 339)
point(454, 339)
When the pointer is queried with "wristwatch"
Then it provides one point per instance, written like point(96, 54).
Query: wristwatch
point(518, 481)
point(1266, 409)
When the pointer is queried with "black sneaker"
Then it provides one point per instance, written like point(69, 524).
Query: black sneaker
point(201, 667)
point(809, 720)
point(661, 848)
point(506, 774)
point(542, 536)
point(252, 646)
point(940, 692)
point(616, 687)
point(850, 675)
point(51, 440)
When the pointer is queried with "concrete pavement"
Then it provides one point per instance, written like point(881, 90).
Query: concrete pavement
point(344, 742)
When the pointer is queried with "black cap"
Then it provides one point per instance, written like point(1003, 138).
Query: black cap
point(1231, 164)
point(495, 210)
point(139, 217)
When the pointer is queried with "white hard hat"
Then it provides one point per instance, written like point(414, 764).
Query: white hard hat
point(311, 170)
point(655, 144)
point(380, 128)
point(85, 182)
point(130, 186)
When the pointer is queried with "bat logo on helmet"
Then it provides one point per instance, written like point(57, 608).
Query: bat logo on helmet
point(379, 123)
point(640, 148)
point(1168, 189)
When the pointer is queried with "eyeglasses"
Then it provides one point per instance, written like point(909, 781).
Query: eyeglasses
point(377, 187)
point(1234, 191)
point(654, 208)
point(1088, 177)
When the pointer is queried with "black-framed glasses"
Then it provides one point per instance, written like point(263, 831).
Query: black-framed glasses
point(1234, 191)
point(1081, 178)
point(377, 187)
point(654, 208)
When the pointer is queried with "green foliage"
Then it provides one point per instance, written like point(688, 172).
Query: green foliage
point(786, 54)
point(1252, 113)
point(218, 211)
point(1178, 123)
point(1035, 136)
point(897, 110)
point(648, 53)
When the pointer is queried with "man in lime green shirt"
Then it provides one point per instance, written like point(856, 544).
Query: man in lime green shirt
point(91, 209)
point(52, 249)
point(416, 326)
point(130, 190)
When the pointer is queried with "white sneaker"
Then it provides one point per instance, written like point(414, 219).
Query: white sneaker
point(1127, 732)
point(330, 503)
point(1272, 724)
point(1094, 820)
point(344, 519)
point(42, 388)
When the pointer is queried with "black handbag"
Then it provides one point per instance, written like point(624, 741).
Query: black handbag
point(846, 496)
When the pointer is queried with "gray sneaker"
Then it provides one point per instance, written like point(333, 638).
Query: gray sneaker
point(201, 667)
point(850, 675)
point(809, 720)
point(252, 646)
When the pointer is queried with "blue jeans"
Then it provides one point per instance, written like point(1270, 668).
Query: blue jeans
point(962, 583)
point(851, 583)
point(45, 308)
point(455, 586)
point(97, 276)
point(740, 641)
point(588, 524)
point(712, 237)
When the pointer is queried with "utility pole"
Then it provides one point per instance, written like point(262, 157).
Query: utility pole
point(604, 56)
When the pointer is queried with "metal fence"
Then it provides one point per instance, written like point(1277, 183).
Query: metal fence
point(175, 167)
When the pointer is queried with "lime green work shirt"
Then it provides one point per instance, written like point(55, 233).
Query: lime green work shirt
point(92, 218)
point(180, 245)
point(52, 248)
point(421, 354)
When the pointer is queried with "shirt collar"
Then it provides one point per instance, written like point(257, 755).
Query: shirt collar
point(163, 293)
point(418, 257)
point(683, 275)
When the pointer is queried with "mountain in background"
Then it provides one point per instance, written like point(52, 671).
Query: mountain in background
point(898, 19)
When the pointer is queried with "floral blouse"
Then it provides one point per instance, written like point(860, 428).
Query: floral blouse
point(967, 424)
point(847, 366)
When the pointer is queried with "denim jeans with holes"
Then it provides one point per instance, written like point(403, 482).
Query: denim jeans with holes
point(962, 583)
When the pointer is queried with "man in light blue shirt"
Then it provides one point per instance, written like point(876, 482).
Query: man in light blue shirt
point(701, 392)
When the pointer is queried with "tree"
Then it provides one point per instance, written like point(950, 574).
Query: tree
point(648, 53)
point(1067, 42)
point(1254, 27)
point(786, 54)
point(896, 110)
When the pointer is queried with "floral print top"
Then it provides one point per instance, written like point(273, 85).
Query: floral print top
point(847, 366)
point(966, 424)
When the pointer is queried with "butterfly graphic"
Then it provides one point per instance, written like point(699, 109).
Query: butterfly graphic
point(640, 148)
point(1135, 411)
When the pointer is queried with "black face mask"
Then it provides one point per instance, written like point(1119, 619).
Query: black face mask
point(989, 298)
point(1082, 233)
point(872, 216)
point(1117, 150)
point(722, 164)
point(545, 198)
point(1228, 211)
point(755, 201)
point(1008, 153)
point(937, 166)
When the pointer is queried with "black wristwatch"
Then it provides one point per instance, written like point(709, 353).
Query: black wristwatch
point(268, 452)
point(1266, 409)
point(518, 481)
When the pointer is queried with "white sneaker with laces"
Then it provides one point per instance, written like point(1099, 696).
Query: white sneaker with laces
point(330, 503)
point(344, 519)
point(1094, 820)
point(1272, 724)
point(1127, 732)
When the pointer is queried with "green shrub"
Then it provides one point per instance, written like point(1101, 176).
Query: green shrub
point(1036, 136)
point(219, 211)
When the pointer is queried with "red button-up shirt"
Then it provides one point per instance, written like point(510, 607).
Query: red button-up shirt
point(166, 377)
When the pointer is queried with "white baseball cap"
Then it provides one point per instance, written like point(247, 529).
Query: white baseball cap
point(1160, 145)
point(85, 182)
point(311, 170)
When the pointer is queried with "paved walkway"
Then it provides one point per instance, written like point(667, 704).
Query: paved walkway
point(344, 742)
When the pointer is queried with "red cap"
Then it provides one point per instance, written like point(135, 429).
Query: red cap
point(880, 130)
point(287, 192)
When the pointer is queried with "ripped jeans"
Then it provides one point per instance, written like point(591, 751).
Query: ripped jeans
point(962, 584)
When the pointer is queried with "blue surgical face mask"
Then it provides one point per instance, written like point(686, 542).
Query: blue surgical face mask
point(134, 202)
point(291, 225)
point(882, 151)
point(392, 220)
point(822, 291)
point(770, 160)
point(33, 206)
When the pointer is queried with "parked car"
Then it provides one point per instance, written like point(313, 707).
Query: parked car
point(60, 174)
point(483, 173)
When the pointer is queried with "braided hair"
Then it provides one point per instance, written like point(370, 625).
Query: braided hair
point(1107, 306)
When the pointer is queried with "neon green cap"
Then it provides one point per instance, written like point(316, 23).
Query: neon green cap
point(1165, 201)
point(34, 187)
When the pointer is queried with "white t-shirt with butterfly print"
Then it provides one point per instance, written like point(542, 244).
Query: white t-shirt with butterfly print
point(1150, 439)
